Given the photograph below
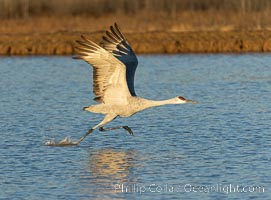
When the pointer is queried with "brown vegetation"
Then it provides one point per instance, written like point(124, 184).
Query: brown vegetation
point(62, 43)
point(49, 27)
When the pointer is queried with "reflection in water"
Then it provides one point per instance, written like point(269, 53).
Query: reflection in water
point(112, 164)
point(108, 167)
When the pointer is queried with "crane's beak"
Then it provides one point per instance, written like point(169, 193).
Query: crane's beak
point(191, 101)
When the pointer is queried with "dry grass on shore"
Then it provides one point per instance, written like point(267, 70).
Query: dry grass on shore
point(187, 31)
point(141, 22)
point(62, 43)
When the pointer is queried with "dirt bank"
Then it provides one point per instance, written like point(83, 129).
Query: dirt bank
point(63, 42)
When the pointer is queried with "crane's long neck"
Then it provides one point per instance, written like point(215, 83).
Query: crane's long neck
point(152, 103)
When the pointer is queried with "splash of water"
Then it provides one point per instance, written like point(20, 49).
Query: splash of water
point(64, 142)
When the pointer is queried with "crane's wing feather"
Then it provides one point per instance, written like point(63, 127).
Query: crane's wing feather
point(115, 42)
point(109, 74)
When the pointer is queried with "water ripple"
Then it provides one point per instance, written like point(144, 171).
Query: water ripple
point(221, 141)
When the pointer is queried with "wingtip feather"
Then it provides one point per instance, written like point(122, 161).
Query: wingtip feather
point(77, 57)
point(78, 41)
point(83, 37)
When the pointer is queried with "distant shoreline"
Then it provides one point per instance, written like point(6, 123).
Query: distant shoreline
point(156, 42)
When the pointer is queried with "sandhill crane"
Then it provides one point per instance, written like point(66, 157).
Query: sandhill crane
point(114, 64)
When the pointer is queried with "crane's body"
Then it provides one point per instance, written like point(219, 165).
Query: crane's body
point(114, 64)
point(133, 105)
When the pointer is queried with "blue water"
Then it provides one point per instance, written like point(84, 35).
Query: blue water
point(217, 149)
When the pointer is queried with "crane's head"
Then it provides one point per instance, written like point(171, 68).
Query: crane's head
point(181, 99)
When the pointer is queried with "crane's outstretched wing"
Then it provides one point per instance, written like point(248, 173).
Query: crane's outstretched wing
point(109, 74)
point(116, 43)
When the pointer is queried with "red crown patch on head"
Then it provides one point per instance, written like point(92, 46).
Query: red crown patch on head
point(182, 98)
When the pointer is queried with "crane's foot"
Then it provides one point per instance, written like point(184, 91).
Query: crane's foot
point(127, 128)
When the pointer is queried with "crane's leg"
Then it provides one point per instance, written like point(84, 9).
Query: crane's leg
point(65, 142)
point(108, 118)
point(127, 128)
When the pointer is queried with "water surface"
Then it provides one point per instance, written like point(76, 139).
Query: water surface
point(211, 150)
